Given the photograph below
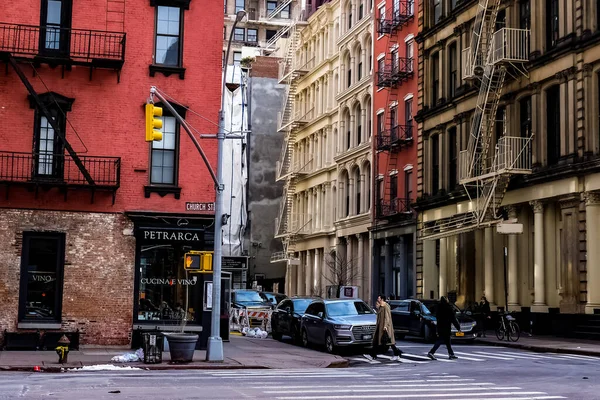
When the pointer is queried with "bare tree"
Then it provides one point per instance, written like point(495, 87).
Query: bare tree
point(340, 271)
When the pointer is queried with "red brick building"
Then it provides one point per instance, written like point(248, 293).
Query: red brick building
point(94, 221)
point(395, 149)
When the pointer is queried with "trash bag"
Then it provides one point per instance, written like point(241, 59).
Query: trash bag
point(251, 333)
point(140, 353)
point(124, 358)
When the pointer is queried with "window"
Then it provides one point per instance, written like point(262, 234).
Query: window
point(168, 36)
point(393, 123)
point(252, 35)
point(348, 308)
point(349, 18)
point(224, 33)
point(435, 79)
point(42, 263)
point(286, 12)
point(165, 154)
point(270, 33)
point(380, 68)
point(408, 186)
point(240, 5)
point(395, 61)
point(453, 69)
point(435, 164)
point(393, 187)
point(524, 14)
point(358, 193)
point(271, 6)
point(225, 7)
point(239, 34)
point(223, 58)
point(453, 156)
point(349, 75)
point(360, 11)
point(381, 17)
point(237, 57)
point(452, 4)
point(553, 124)
point(500, 19)
point(379, 194)
point(551, 23)
point(437, 11)
point(410, 54)
point(525, 117)
point(55, 19)
point(380, 124)
point(408, 117)
point(500, 123)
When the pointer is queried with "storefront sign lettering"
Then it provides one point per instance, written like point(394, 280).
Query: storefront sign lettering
point(170, 282)
point(42, 278)
point(180, 236)
point(193, 206)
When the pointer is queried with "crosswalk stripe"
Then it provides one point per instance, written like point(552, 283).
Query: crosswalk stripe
point(415, 356)
point(411, 395)
point(522, 398)
point(365, 360)
point(462, 357)
point(572, 357)
point(417, 383)
point(388, 390)
point(525, 357)
point(475, 353)
point(584, 357)
point(510, 354)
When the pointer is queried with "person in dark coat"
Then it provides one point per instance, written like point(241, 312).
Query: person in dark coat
point(445, 317)
point(384, 332)
point(484, 309)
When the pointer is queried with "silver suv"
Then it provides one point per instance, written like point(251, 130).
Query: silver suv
point(336, 323)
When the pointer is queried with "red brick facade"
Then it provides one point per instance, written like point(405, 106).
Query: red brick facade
point(106, 119)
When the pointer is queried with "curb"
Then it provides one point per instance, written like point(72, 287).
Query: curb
point(143, 367)
point(541, 348)
point(339, 364)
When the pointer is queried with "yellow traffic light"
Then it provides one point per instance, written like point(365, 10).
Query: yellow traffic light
point(198, 261)
point(153, 123)
point(206, 262)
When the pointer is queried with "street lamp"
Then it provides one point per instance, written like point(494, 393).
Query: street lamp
point(214, 350)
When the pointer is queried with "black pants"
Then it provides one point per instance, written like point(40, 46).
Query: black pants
point(383, 349)
point(442, 340)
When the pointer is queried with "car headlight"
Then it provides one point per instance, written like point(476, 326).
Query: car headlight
point(342, 327)
point(474, 323)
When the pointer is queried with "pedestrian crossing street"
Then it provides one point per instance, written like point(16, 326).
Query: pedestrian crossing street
point(364, 383)
point(479, 355)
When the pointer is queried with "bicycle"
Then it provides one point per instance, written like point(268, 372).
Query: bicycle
point(508, 328)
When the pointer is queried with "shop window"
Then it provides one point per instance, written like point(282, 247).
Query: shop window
point(553, 124)
point(166, 291)
point(551, 23)
point(42, 264)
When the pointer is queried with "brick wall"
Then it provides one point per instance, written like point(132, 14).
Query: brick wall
point(98, 272)
point(107, 118)
point(265, 67)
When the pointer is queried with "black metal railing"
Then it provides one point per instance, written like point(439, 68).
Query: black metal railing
point(59, 169)
point(395, 72)
point(77, 45)
point(397, 206)
point(395, 136)
point(396, 18)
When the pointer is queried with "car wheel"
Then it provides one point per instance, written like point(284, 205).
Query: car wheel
point(305, 342)
point(329, 345)
point(276, 335)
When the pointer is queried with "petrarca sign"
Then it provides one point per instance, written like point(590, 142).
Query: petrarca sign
point(179, 236)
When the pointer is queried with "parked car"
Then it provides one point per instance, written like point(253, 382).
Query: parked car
point(337, 323)
point(242, 298)
point(416, 318)
point(272, 297)
point(287, 317)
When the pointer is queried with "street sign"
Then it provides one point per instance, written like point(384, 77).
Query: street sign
point(509, 228)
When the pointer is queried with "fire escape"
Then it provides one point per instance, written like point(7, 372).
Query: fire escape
point(290, 223)
point(61, 166)
point(393, 136)
point(485, 175)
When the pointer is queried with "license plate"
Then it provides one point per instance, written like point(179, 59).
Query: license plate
point(367, 337)
point(460, 334)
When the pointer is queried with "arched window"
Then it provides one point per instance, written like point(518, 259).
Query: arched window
point(358, 119)
point(357, 191)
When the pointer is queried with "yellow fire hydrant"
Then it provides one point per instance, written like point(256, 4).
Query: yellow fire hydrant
point(63, 349)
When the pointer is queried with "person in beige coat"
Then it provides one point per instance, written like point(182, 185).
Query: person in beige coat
point(384, 332)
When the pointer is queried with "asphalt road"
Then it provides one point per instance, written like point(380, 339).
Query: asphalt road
point(481, 372)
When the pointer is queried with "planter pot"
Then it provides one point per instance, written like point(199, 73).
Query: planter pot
point(182, 346)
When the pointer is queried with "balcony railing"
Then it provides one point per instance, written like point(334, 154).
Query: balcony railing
point(101, 49)
point(393, 207)
point(395, 19)
point(396, 136)
point(514, 154)
point(58, 170)
point(395, 73)
point(510, 45)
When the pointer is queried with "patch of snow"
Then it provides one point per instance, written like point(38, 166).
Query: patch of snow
point(104, 367)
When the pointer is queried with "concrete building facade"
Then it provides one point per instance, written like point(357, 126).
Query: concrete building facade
point(549, 272)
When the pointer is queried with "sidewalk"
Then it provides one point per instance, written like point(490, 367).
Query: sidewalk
point(546, 344)
point(240, 352)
